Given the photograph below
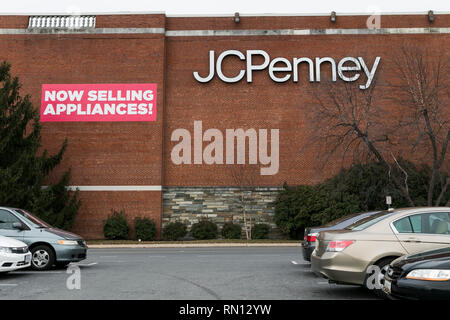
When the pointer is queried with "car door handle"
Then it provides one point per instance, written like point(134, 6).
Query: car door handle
point(413, 240)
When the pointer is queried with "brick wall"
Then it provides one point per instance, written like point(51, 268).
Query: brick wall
point(98, 153)
point(263, 103)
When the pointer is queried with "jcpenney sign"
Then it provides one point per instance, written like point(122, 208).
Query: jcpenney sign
point(281, 69)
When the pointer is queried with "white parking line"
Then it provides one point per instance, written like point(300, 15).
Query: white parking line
point(299, 263)
point(35, 272)
point(8, 284)
point(85, 265)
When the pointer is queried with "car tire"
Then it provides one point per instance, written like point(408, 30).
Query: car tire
point(383, 265)
point(42, 258)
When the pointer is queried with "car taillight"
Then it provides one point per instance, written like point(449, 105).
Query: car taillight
point(336, 246)
point(311, 237)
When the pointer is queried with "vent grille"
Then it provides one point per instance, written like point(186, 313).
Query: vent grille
point(63, 22)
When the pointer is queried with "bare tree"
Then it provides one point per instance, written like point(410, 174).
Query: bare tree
point(244, 178)
point(350, 120)
point(422, 92)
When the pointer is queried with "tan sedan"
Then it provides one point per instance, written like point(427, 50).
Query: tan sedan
point(348, 256)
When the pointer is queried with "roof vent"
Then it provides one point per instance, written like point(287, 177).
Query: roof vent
point(61, 22)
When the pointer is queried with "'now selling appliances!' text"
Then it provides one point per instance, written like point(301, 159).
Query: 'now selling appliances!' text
point(98, 102)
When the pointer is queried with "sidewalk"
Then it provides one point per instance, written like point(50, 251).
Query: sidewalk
point(98, 244)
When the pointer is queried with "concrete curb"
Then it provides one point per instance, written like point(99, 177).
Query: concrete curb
point(192, 245)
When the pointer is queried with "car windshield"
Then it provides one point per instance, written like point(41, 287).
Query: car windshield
point(35, 222)
point(339, 220)
point(350, 217)
point(369, 221)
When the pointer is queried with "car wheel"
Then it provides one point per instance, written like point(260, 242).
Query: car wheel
point(383, 266)
point(42, 258)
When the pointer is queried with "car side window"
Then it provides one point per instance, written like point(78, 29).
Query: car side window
point(439, 223)
point(416, 222)
point(403, 225)
point(431, 223)
point(7, 220)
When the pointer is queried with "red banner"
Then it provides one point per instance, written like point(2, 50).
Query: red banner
point(98, 102)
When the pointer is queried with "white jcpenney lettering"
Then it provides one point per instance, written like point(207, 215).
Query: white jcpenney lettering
point(289, 69)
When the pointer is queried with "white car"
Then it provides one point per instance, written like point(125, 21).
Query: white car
point(14, 254)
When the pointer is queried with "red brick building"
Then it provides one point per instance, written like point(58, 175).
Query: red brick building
point(128, 165)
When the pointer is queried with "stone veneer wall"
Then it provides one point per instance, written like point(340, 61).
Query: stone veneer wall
point(220, 204)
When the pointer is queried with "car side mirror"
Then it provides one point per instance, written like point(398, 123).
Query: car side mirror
point(19, 226)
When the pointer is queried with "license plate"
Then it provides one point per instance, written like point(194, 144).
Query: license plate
point(27, 258)
point(387, 286)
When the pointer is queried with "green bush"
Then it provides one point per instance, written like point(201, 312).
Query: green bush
point(260, 231)
point(174, 231)
point(294, 208)
point(116, 226)
point(368, 184)
point(204, 230)
point(331, 204)
point(231, 231)
point(362, 187)
point(144, 229)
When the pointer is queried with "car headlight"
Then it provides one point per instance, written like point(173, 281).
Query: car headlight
point(68, 242)
point(5, 250)
point(429, 275)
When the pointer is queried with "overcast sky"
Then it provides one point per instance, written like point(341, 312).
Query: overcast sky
point(222, 7)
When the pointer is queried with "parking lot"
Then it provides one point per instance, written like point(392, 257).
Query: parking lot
point(265, 273)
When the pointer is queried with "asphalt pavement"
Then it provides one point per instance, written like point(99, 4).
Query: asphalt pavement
point(237, 273)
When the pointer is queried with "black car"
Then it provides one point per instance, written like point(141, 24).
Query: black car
point(420, 276)
point(309, 241)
